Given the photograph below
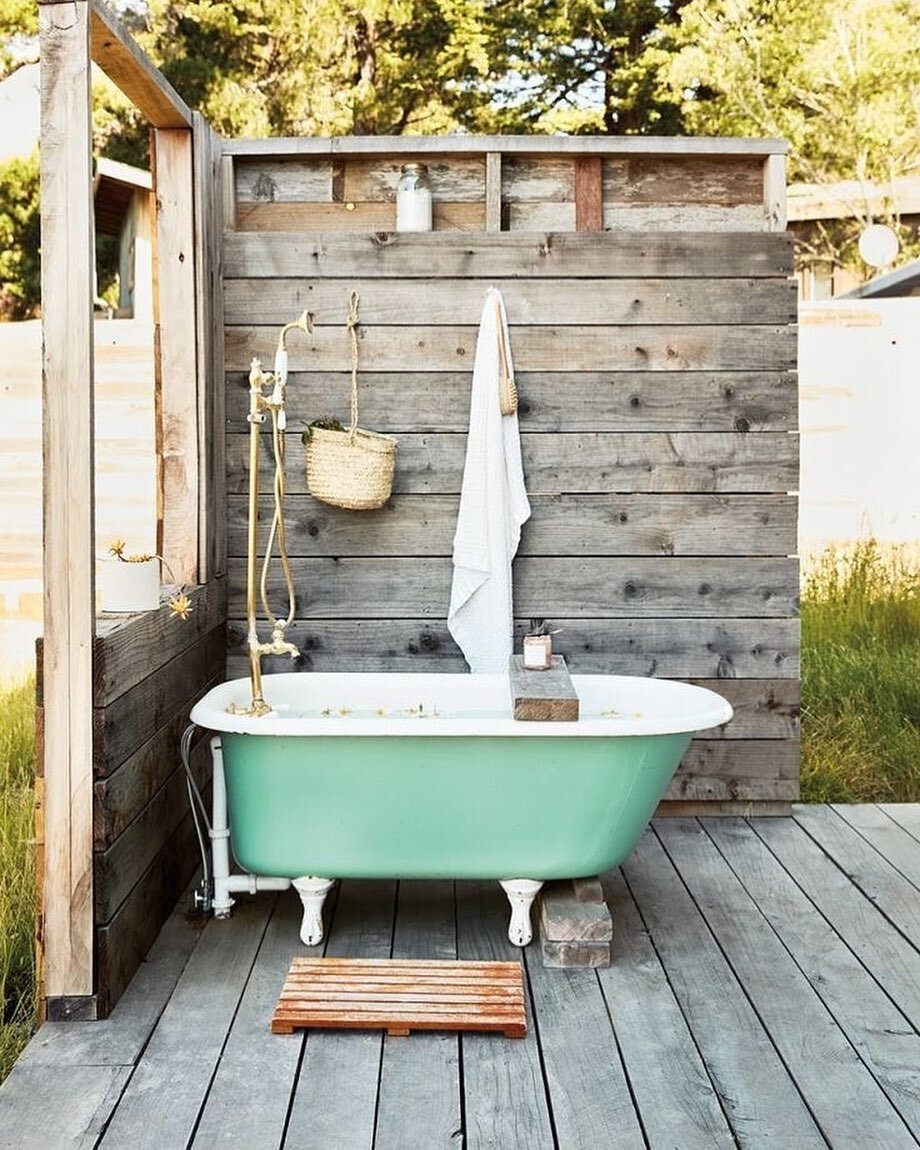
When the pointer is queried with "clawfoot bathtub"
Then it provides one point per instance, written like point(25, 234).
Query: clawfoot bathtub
point(428, 776)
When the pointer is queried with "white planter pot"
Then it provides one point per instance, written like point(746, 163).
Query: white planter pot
point(128, 587)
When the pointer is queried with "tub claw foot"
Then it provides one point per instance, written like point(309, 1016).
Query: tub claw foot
point(312, 893)
point(521, 892)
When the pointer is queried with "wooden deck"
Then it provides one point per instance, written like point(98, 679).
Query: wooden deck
point(765, 992)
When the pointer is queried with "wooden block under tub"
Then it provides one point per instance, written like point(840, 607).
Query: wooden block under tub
point(565, 918)
point(543, 696)
point(575, 955)
point(575, 925)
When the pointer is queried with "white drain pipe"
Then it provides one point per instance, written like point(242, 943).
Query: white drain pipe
point(224, 882)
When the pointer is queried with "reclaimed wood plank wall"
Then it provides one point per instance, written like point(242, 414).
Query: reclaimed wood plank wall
point(658, 409)
point(149, 670)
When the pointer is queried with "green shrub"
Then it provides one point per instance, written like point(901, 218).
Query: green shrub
point(17, 870)
point(861, 678)
point(20, 238)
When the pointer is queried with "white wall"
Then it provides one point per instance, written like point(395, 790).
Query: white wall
point(125, 465)
point(859, 413)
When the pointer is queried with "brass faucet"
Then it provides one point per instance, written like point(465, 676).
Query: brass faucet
point(260, 403)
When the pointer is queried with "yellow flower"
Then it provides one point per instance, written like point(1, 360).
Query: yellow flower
point(117, 548)
point(180, 605)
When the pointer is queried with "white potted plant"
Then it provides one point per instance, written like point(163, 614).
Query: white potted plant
point(130, 582)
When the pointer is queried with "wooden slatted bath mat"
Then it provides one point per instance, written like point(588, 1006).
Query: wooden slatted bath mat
point(399, 996)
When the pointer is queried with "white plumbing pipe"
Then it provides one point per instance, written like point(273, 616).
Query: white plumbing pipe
point(224, 882)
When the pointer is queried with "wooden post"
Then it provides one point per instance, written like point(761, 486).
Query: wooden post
point(774, 193)
point(493, 191)
point(69, 583)
point(177, 412)
point(212, 464)
point(228, 193)
point(589, 194)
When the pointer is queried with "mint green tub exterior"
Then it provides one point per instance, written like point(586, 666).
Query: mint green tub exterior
point(427, 776)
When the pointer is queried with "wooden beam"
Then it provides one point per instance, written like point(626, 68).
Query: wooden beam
point(228, 193)
point(175, 313)
point(774, 193)
point(212, 468)
point(69, 583)
point(128, 68)
point(390, 146)
point(493, 191)
point(589, 194)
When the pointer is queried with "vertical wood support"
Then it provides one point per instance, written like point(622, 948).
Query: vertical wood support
point(774, 194)
point(177, 412)
point(589, 194)
point(212, 468)
point(493, 191)
point(69, 576)
point(228, 193)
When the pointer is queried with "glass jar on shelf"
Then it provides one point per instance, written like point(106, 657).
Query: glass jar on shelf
point(413, 199)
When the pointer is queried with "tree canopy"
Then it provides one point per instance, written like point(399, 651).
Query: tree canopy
point(834, 77)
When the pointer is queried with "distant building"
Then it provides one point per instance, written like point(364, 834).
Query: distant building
point(810, 205)
point(123, 194)
point(124, 208)
point(19, 113)
point(902, 283)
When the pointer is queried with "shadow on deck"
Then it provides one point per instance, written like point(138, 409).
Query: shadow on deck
point(765, 991)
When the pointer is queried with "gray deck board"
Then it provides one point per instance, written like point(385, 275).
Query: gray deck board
point(248, 1101)
point(894, 895)
point(844, 1098)
point(119, 1039)
point(590, 1095)
point(895, 844)
point(883, 1037)
point(162, 1101)
point(906, 815)
point(420, 1107)
point(891, 959)
point(83, 1099)
point(505, 1094)
point(675, 1096)
point(336, 1098)
point(765, 991)
point(761, 1100)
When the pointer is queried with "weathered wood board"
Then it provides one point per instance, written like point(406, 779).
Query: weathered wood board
point(545, 696)
point(651, 312)
point(149, 669)
point(587, 192)
point(481, 255)
point(589, 463)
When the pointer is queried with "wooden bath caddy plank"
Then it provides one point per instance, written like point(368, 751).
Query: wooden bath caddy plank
point(401, 995)
point(543, 696)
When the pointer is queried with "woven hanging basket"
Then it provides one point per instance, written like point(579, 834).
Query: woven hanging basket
point(352, 468)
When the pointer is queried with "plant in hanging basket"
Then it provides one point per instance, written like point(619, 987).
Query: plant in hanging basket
point(349, 467)
point(130, 582)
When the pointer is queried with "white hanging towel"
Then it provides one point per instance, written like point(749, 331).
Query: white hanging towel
point(493, 506)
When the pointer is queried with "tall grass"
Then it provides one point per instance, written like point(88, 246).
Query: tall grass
point(17, 870)
point(861, 677)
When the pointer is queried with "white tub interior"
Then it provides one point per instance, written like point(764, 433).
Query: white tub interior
point(455, 705)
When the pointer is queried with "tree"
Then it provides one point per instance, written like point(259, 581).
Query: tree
point(18, 29)
point(583, 66)
point(834, 77)
point(332, 67)
point(20, 236)
point(320, 67)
